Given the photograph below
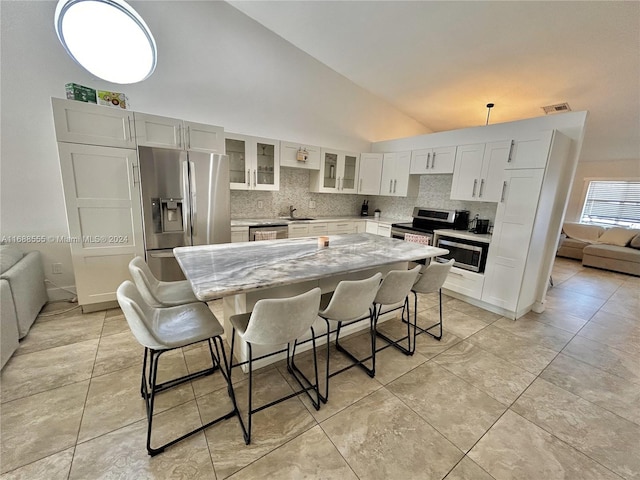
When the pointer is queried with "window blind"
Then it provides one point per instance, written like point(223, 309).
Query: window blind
point(612, 203)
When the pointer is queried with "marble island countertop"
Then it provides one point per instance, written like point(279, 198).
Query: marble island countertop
point(252, 222)
point(221, 270)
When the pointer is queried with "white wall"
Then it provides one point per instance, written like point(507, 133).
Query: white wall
point(215, 66)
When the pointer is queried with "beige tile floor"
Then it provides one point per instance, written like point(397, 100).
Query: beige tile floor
point(551, 396)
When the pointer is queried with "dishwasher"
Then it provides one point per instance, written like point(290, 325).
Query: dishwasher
point(281, 229)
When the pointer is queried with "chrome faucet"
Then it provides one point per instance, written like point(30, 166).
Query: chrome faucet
point(291, 210)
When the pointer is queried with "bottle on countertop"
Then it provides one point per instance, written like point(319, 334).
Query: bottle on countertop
point(364, 211)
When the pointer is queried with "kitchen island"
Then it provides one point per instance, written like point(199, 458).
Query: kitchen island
point(243, 273)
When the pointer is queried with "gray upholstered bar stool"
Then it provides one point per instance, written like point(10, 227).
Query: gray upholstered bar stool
point(393, 295)
point(160, 330)
point(278, 321)
point(351, 302)
point(431, 280)
point(158, 293)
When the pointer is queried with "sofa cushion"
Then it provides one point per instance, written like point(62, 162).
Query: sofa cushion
point(635, 242)
point(9, 256)
point(618, 236)
point(573, 243)
point(582, 231)
point(613, 251)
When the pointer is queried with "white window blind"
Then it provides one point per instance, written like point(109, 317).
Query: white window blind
point(612, 203)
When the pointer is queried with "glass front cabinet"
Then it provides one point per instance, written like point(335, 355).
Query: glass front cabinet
point(338, 172)
point(254, 163)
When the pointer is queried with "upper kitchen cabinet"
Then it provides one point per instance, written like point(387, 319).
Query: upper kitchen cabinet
point(298, 155)
point(370, 173)
point(338, 172)
point(254, 163)
point(531, 151)
point(396, 181)
point(165, 132)
point(478, 171)
point(90, 124)
point(433, 160)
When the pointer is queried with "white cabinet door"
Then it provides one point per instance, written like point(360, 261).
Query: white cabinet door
point(254, 162)
point(297, 155)
point(298, 230)
point(200, 137)
point(371, 227)
point(102, 196)
point(341, 228)
point(316, 229)
point(338, 172)
point(494, 161)
point(384, 230)
point(531, 151)
point(433, 160)
point(239, 234)
point(466, 176)
point(370, 174)
point(395, 174)
point(511, 237)
point(157, 131)
point(90, 124)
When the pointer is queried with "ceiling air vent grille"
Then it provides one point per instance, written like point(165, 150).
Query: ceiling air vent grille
point(557, 108)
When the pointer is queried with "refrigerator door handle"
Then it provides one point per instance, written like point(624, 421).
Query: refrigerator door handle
point(192, 199)
point(188, 225)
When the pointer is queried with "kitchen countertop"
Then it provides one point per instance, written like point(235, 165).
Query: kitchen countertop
point(253, 222)
point(477, 237)
point(216, 271)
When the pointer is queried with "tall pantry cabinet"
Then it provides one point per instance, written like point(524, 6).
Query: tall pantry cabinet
point(100, 178)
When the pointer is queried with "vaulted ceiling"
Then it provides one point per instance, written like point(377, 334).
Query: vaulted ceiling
point(442, 62)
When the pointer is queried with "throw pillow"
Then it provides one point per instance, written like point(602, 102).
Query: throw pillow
point(617, 236)
point(635, 242)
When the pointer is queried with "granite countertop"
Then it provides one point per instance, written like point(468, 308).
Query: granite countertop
point(221, 270)
point(252, 222)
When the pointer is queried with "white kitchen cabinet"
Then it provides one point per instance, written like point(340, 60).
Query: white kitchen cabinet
point(370, 173)
point(396, 181)
point(377, 228)
point(239, 234)
point(299, 230)
point(478, 171)
point(166, 132)
point(431, 161)
point(254, 162)
point(341, 228)
point(338, 172)
point(91, 124)
point(102, 197)
point(465, 282)
point(530, 151)
point(298, 155)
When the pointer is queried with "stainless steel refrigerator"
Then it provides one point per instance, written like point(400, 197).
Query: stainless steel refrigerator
point(185, 201)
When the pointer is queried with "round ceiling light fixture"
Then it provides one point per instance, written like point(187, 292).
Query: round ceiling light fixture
point(108, 38)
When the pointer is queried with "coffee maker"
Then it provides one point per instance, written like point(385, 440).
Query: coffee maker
point(480, 226)
point(364, 211)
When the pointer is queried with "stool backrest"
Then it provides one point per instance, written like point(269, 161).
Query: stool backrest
point(146, 282)
point(276, 321)
point(139, 315)
point(352, 298)
point(396, 286)
point(433, 277)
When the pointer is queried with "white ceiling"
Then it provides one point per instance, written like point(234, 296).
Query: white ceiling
point(442, 62)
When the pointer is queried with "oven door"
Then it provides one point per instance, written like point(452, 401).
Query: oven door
point(466, 256)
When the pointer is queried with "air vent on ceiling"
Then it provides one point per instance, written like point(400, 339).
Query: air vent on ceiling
point(557, 108)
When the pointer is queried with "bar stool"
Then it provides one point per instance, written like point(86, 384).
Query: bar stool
point(431, 280)
point(160, 330)
point(275, 322)
point(393, 295)
point(351, 302)
point(157, 293)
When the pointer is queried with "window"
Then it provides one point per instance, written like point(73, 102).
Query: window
point(612, 202)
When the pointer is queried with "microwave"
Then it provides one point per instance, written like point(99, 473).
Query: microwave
point(468, 254)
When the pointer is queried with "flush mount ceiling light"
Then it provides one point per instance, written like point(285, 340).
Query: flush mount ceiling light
point(108, 38)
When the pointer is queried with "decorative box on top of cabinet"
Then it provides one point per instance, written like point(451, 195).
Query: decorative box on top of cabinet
point(166, 132)
point(298, 155)
point(254, 162)
point(338, 172)
point(430, 161)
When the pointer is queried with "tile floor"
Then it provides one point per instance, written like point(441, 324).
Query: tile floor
point(551, 396)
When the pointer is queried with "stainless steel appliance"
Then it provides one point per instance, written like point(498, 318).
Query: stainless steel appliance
point(281, 229)
point(468, 254)
point(426, 220)
point(185, 201)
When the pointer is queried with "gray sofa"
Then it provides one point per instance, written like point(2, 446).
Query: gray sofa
point(616, 249)
point(22, 293)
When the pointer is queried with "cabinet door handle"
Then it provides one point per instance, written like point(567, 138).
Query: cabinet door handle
point(504, 189)
point(338, 184)
point(433, 160)
point(248, 178)
point(510, 151)
point(135, 177)
point(255, 178)
point(180, 136)
point(475, 185)
point(395, 182)
point(360, 187)
point(129, 122)
point(187, 139)
point(428, 157)
point(481, 187)
point(390, 186)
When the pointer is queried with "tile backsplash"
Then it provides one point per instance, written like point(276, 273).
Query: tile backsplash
point(294, 190)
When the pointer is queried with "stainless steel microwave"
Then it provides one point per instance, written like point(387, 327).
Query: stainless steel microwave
point(468, 254)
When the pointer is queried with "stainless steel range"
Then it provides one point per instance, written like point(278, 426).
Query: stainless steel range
point(426, 220)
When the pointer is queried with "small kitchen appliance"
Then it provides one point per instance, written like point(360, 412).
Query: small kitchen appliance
point(482, 226)
point(364, 211)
